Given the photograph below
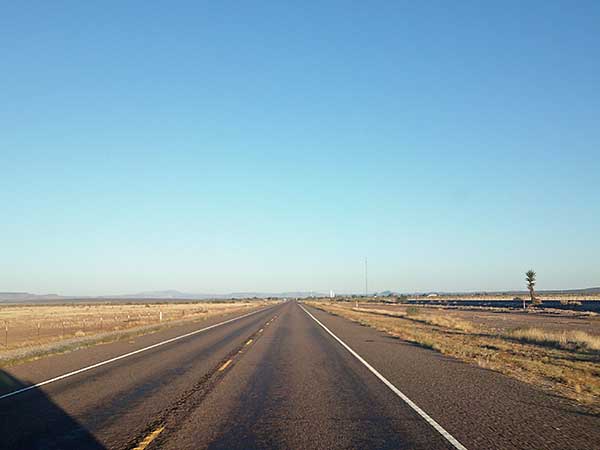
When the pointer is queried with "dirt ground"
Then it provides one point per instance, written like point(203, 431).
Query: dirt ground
point(506, 321)
point(31, 325)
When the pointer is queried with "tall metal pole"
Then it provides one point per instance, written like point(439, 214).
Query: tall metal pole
point(366, 279)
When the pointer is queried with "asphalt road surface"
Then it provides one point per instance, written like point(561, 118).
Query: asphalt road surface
point(288, 377)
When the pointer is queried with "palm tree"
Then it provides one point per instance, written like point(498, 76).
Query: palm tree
point(530, 278)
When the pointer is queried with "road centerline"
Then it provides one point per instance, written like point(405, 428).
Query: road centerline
point(393, 388)
point(226, 365)
point(148, 439)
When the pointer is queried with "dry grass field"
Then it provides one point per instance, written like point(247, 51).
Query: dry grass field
point(33, 330)
point(565, 361)
point(503, 319)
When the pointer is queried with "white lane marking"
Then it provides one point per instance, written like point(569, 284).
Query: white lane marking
point(135, 352)
point(394, 389)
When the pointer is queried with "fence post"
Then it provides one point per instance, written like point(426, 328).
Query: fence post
point(6, 333)
point(160, 316)
point(38, 331)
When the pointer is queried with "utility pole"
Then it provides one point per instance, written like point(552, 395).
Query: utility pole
point(366, 278)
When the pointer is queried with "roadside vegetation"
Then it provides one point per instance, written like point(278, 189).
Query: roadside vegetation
point(568, 340)
point(32, 331)
point(566, 362)
point(530, 276)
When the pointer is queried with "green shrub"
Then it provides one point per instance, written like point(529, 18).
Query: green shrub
point(412, 310)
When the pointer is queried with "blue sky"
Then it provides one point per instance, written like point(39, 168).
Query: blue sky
point(226, 146)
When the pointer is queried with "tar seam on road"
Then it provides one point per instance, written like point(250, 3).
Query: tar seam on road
point(394, 389)
point(116, 358)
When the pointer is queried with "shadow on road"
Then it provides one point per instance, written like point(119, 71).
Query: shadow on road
point(31, 420)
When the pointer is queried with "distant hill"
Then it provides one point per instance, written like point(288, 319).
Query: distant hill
point(594, 290)
point(26, 296)
point(22, 297)
point(171, 294)
point(168, 294)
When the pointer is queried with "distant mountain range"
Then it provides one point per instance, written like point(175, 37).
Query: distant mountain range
point(172, 294)
point(26, 296)
point(16, 297)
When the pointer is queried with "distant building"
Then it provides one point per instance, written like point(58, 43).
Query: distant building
point(331, 294)
point(433, 295)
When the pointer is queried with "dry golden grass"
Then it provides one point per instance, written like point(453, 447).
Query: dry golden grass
point(573, 339)
point(37, 330)
point(436, 320)
point(566, 363)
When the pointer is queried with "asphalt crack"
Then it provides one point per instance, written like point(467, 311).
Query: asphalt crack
point(168, 420)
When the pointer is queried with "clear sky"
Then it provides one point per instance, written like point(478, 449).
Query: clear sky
point(234, 146)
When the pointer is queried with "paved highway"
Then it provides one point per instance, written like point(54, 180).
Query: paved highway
point(287, 376)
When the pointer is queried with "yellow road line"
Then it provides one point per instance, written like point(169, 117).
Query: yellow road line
point(225, 366)
point(146, 442)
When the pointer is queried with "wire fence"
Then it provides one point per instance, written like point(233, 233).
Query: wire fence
point(22, 332)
